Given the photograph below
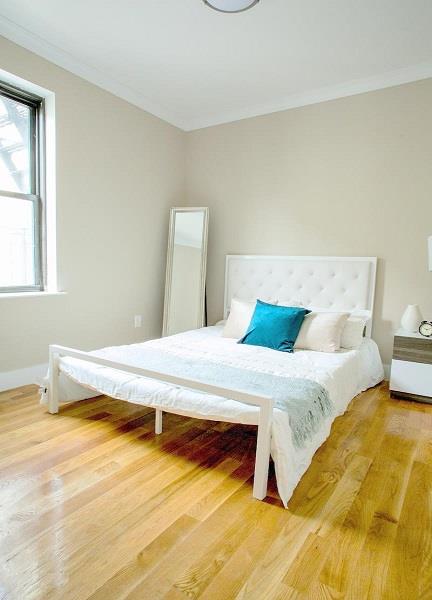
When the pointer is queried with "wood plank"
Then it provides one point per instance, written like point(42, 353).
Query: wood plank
point(379, 496)
point(94, 505)
point(409, 574)
point(131, 575)
point(412, 349)
point(123, 514)
point(150, 464)
point(235, 571)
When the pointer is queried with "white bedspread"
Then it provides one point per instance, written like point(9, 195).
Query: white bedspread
point(344, 374)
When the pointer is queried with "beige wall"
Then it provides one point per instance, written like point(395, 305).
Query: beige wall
point(119, 170)
point(347, 177)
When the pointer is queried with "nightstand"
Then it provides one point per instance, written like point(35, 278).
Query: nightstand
point(411, 368)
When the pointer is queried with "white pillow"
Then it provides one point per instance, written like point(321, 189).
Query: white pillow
point(238, 319)
point(321, 331)
point(353, 332)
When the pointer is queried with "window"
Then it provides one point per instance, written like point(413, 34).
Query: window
point(21, 223)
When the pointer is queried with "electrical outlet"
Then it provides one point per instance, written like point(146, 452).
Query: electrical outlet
point(138, 320)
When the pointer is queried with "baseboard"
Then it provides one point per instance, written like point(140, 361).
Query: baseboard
point(14, 379)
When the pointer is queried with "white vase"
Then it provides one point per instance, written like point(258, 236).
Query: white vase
point(411, 318)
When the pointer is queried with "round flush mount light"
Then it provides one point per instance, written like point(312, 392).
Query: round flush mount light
point(231, 6)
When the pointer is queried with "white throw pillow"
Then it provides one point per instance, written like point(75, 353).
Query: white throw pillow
point(238, 319)
point(353, 332)
point(321, 331)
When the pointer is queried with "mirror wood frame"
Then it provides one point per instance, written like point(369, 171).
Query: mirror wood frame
point(169, 265)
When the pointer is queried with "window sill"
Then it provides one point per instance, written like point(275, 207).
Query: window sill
point(30, 294)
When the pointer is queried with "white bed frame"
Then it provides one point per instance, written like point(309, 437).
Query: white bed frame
point(336, 283)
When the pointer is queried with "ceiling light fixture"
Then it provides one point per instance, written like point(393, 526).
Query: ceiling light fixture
point(231, 6)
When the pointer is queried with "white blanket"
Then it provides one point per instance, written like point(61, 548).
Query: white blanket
point(344, 374)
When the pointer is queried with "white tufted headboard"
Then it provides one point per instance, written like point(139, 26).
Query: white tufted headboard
point(333, 282)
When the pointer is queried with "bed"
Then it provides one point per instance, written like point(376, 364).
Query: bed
point(145, 373)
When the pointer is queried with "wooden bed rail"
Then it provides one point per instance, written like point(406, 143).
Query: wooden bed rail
point(264, 403)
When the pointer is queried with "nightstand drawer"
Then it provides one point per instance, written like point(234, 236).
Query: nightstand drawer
point(412, 349)
point(411, 377)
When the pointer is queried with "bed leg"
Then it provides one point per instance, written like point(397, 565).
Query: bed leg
point(158, 421)
point(262, 455)
point(53, 396)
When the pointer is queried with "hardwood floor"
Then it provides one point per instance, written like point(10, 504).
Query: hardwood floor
point(94, 505)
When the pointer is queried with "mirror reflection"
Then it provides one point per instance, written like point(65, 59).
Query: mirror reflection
point(186, 265)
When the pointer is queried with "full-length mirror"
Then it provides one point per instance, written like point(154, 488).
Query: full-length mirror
point(184, 306)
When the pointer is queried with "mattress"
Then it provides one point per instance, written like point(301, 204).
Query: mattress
point(344, 374)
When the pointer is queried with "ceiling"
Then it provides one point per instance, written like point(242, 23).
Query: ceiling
point(195, 67)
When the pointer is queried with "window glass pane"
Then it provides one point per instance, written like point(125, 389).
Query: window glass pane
point(17, 266)
point(15, 146)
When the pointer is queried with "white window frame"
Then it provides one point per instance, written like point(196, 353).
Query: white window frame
point(37, 166)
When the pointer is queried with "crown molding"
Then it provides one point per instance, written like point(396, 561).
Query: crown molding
point(324, 94)
point(39, 46)
point(25, 38)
